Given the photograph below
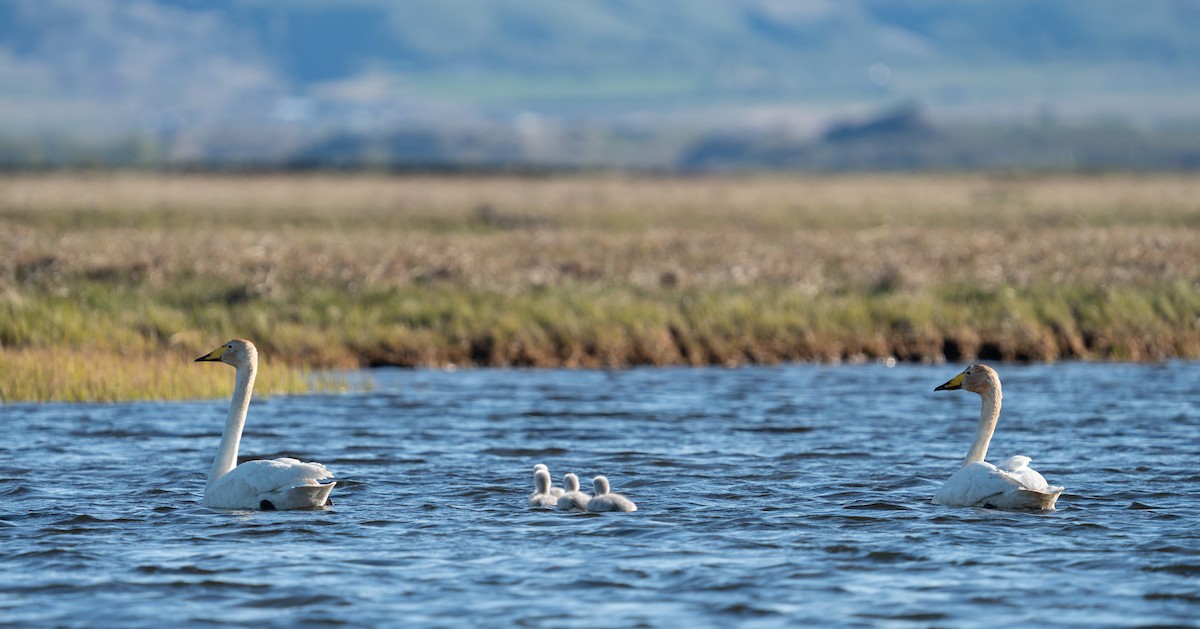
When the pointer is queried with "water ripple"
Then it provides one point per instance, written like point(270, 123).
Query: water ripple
point(768, 497)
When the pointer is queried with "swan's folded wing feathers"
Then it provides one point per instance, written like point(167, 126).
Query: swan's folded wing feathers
point(1024, 477)
point(1014, 463)
point(249, 483)
point(973, 484)
point(301, 469)
point(981, 484)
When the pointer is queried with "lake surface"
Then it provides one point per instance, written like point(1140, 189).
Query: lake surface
point(768, 497)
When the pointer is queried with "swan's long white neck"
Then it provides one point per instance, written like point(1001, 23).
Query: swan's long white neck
point(227, 453)
point(988, 416)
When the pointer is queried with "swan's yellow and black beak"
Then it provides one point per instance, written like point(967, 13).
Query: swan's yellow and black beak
point(213, 356)
point(954, 384)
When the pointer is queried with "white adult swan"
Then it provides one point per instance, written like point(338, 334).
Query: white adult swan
point(572, 498)
point(604, 500)
point(277, 484)
point(541, 490)
point(1010, 485)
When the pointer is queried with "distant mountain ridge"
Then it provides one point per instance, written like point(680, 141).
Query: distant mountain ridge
point(187, 73)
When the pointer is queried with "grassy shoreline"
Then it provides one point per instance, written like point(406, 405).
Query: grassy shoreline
point(584, 271)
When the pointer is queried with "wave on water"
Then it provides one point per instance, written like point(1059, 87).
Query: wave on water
point(760, 502)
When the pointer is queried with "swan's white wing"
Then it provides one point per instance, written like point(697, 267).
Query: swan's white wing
point(973, 485)
point(1017, 468)
point(285, 483)
point(1012, 485)
point(1014, 463)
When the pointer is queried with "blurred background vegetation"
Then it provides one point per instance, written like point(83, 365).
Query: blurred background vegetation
point(595, 183)
point(681, 85)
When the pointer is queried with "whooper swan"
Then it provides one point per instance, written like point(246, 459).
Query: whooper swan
point(1010, 485)
point(572, 498)
point(541, 490)
point(604, 500)
point(278, 484)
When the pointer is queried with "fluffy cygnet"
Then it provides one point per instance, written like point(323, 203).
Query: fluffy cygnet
point(554, 491)
point(604, 500)
point(541, 495)
point(572, 498)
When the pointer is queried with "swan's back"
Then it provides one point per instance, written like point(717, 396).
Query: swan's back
point(981, 484)
point(271, 484)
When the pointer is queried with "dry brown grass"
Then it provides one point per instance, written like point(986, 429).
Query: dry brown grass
point(361, 269)
point(814, 234)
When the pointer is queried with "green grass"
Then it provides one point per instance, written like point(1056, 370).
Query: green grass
point(576, 326)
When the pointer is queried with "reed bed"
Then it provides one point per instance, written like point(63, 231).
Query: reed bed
point(84, 375)
point(331, 270)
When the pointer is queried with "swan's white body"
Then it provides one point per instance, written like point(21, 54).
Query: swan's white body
point(1010, 485)
point(541, 490)
point(277, 484)
point(572, 498)
point(554, 491)
point(605, 500)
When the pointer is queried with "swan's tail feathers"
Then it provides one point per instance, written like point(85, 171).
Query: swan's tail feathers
point(1042, 498)
point(315, 495)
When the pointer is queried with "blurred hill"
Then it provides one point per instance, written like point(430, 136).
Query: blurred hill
point(669, 84)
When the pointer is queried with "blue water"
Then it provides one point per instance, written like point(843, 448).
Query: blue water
point(768, 497)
